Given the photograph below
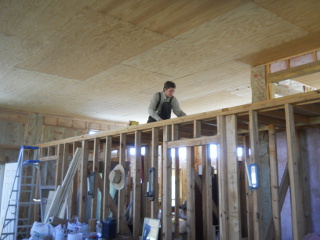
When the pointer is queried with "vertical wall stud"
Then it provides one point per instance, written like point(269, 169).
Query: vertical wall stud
point(147, 166)
point(75, 184)
point(154, 163)
point(191, 223)
point(167, 174)
point(275, 204)
point(122, 225)
point(96, 172)
point(255, 158)
point(249, 199)
point(106, 182)
point(59, 163)
point(295, 188)
point(175, 136)
point(137, 187)
point(223, 181)
point(83, 180)
point(65, 162)
point(233, 179)
point(207, 200)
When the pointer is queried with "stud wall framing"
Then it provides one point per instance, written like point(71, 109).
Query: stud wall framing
point(228, 128)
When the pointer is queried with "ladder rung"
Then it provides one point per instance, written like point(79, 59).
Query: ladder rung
point(31, 162)
point(6, 224)
point(10, 219)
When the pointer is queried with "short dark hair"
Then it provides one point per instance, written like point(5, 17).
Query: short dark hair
point(169, 84)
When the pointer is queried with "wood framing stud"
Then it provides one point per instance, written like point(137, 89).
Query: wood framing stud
point(175, 136)
point(255, 158)
point(207, 200)
point(191, 221)
point(167, 186)
point(83, 181)
point(154, 163)
point(96, 156)
point(276, 216)
point(121, 193)
point(223, 181)
point(59, 164)
point(137, 187)
point(106, 182)
point(295, 188)
point(233, 179)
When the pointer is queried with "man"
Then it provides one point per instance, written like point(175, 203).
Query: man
point(162, 103)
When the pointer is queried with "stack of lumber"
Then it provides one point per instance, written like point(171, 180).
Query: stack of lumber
point(62, 191)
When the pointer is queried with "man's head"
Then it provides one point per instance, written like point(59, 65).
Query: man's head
point(169, 88)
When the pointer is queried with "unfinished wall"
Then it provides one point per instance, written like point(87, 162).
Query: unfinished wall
point(286, 225)
point(11, 136)
point(310, 152)
point(289, 117)
point(20, 128)
point(313, 166)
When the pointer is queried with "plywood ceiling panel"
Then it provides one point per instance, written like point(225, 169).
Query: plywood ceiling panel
point(296, 11)
point(294, 47)
point(213, 101)
point(86, 44)
point(167, 17)
point(236, 33)
point(104, 59)
point(214, 80)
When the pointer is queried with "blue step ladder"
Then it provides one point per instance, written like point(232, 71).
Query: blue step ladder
point(25, 196)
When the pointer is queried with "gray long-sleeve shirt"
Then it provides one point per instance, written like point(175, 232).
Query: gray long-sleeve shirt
point(153, 112)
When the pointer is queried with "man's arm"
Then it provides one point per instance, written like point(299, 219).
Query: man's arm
point(176, 108)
